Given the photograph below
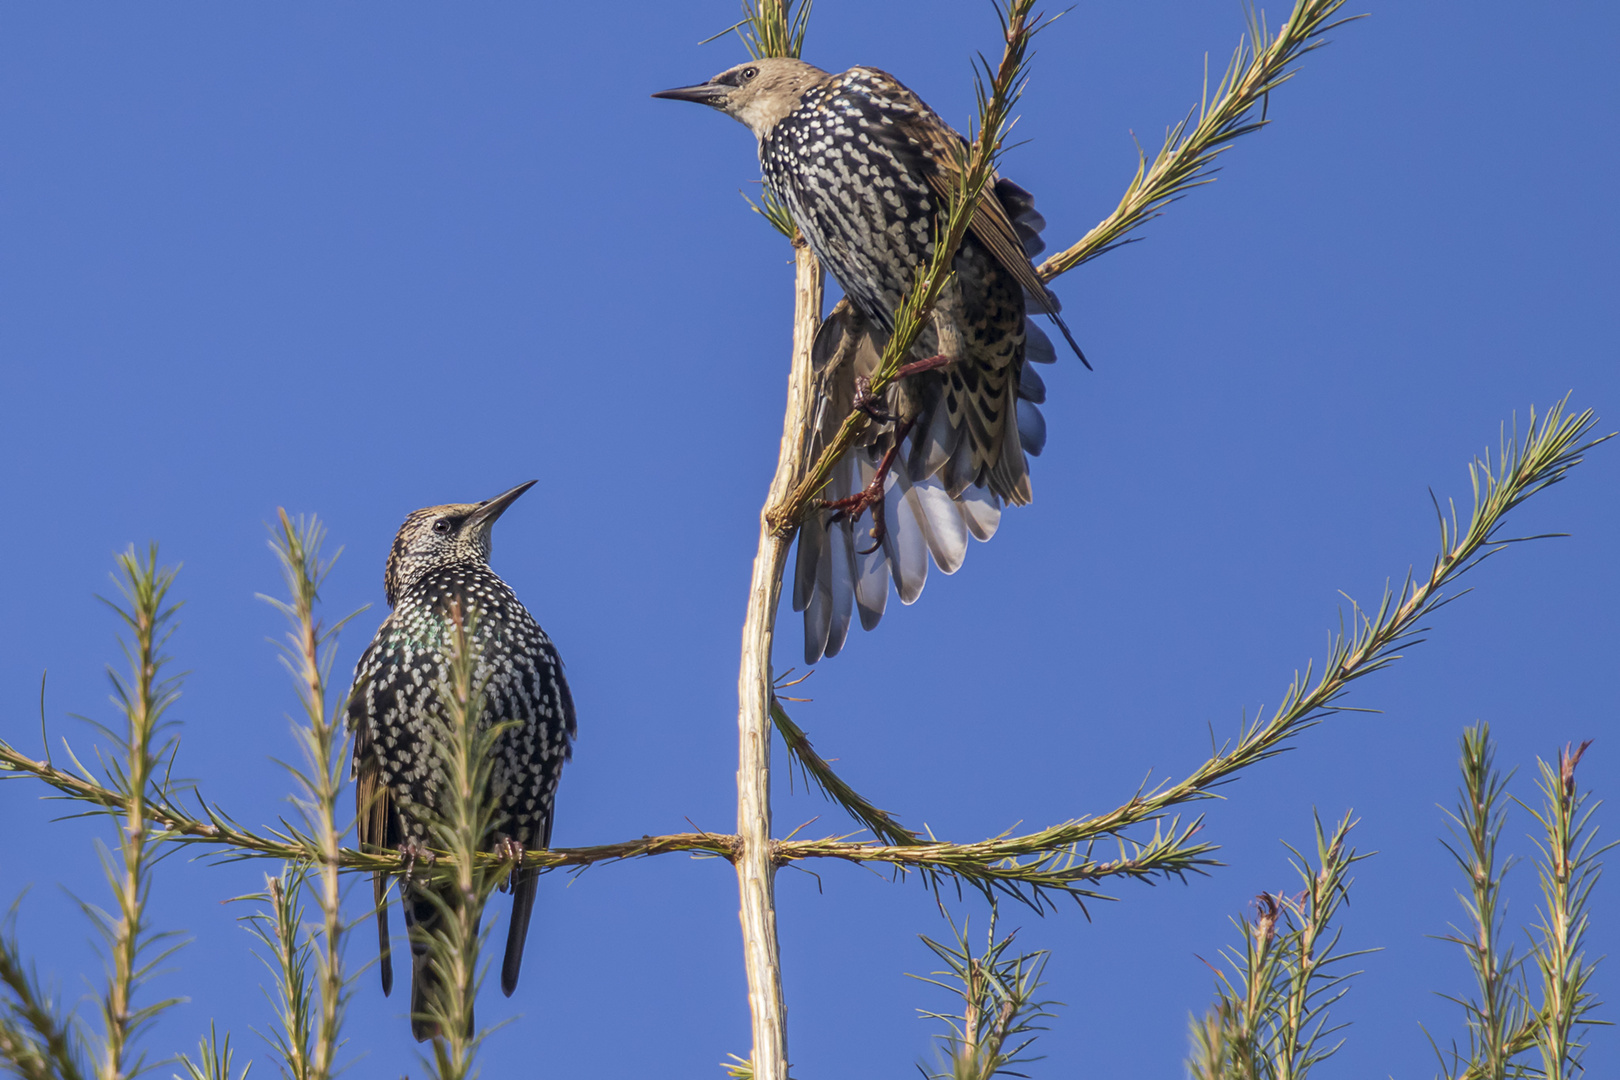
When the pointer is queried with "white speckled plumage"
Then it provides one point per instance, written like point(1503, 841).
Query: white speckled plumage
point(864, 167)
point(439, 568)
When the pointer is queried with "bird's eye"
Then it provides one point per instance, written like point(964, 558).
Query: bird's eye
point(442, 526)
point(749, 73)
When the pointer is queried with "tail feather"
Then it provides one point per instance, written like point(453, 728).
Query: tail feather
point(842, 569)
point(827, 573)
point(958, 473)
point(903, 541)
point(943, 529)
point(385, 954)
point(871, 586)
point(946, 485)
point(981, 512)
point(524, 884)
point(1031, 428)
point(1027, 221)
point(808, 559)
point(933, 444)
point(1038, 348)
point(1031, 387)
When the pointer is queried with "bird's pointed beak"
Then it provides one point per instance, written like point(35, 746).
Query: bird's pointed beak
point(703, 94)
point(491, 509)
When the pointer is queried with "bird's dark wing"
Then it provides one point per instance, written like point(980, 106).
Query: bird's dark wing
point(373, 808)
point(937, 150)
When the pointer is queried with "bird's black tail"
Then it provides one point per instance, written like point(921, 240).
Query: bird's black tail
point(524, 884)
point(385, 956)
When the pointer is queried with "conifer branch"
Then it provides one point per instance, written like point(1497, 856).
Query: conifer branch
point(1503, 1025)
point(35, 1039)
point(322, 740)
point(1059, 858)
point(1270, 1016)
point(1569, 867)
point(1187, 159)
point(143, 697)
point(464, 828)
point(816, 770)
point(1000, 1010)
point(279, 927)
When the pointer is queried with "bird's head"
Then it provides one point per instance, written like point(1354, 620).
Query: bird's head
point(758, 93)
point(439, 536)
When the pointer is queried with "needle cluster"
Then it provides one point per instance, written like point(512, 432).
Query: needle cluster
point(1518, 1024)
point(1270, 1017)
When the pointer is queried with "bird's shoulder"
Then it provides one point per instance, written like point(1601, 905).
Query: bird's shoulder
point(887, 105)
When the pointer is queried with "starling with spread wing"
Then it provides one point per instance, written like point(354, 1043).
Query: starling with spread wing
point(438, 574)
point(866, 168)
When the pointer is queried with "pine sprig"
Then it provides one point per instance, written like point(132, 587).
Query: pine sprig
point(816, 770)
point(37, 1039)
point(772, 28)
point(322, 739)
point(133, 949)
point(1001, 1008)
point(1503, 1024)
point(463, 827)
point(1270, 1018)
point(1569, 869)
point(1261, 63)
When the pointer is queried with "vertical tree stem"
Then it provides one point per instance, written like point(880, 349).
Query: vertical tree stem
point(756, 866)
point(326, 767)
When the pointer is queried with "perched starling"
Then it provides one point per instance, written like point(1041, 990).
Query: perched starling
point(865, 167)
point(438, 571)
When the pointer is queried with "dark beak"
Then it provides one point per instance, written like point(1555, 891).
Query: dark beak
point(491, 509)
point(704, 93)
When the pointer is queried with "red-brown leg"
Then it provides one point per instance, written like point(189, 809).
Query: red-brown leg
point(917, 367)
point(871, 496)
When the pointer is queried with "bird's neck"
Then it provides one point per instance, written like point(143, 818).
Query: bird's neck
point(448, 580)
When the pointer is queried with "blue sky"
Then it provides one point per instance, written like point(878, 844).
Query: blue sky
point(355, 259)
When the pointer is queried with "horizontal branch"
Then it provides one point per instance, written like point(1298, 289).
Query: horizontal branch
point(1051, 860)
point(1057, 858)
point(212, 827)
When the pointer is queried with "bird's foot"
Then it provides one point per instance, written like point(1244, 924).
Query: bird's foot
point(868, 402)
point(512, 851)
point(409, 852)
point(871, 496)
point(868, 498)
